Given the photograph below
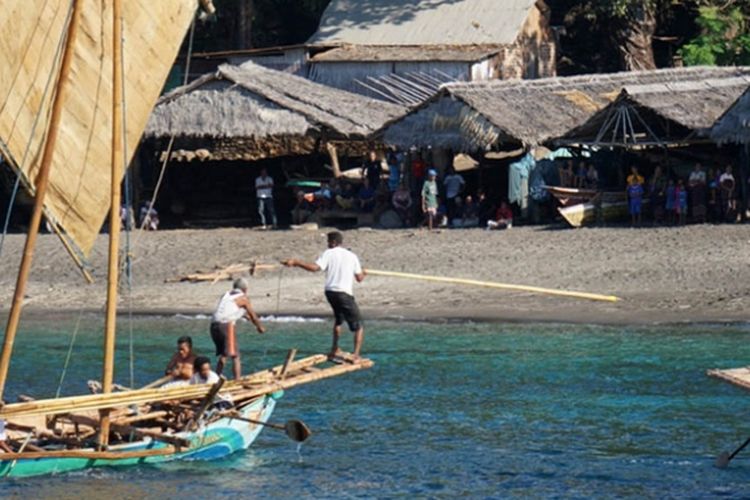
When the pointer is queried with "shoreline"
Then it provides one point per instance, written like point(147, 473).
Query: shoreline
point(664, 276)
point(424, 317)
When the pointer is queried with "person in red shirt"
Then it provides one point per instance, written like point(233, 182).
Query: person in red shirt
point(418, 170)
point(503, 218)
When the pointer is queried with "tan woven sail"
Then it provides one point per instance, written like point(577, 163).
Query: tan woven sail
point(78, 196)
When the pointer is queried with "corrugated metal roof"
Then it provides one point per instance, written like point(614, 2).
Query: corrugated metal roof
point(422, 22)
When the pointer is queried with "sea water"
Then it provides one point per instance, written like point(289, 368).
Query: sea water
point(476, 410)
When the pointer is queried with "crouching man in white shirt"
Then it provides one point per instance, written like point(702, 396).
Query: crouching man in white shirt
point(342, 267)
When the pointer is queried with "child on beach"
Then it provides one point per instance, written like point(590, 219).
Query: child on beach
point(580, 177)
point(669, 204)
point(635, 199)
point(430, 202)
point(680, 202)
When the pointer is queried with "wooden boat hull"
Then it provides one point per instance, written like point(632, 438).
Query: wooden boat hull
point(568, 197)
point(571, 196)
point(213, 441)
point(585, 213)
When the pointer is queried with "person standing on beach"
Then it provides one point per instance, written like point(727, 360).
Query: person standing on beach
point(264, 194)
point(372, 170)
point(635, 198)
point(232, 307)
point(454, 184)
point(342, 267)
point(430, 198)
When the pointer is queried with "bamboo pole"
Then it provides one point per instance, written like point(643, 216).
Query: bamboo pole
point(42, 181)
point(114, 216)
point(76, 403)
point(334, 154)
point(237, 389)
point(490, 284)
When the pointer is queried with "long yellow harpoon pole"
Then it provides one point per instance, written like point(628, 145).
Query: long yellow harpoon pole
point(490, 284)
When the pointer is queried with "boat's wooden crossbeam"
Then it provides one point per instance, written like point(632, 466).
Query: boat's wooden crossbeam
point(252, 386)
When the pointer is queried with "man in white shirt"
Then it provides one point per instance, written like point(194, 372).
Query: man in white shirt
point(342, 267)
point(454, 185)
point(232, 307)
point(264, 194)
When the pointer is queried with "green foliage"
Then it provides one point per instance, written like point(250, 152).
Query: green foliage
point(724, 38)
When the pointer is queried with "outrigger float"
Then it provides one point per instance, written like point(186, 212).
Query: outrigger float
point(739, 377)
point(62, 130)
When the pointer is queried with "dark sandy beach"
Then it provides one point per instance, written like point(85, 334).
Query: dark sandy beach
point(663, 275)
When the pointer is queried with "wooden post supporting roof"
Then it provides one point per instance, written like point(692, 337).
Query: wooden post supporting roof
point(42, 181)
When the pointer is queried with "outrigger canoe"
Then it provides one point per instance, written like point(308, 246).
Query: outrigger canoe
point(60, 435)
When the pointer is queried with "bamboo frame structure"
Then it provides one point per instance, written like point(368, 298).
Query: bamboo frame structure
point(258, 384)
point(42, 182)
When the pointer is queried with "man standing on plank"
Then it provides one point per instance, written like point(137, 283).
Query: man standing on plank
point(232, 306)
point(342, 267)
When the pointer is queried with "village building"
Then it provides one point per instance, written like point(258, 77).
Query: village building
point(212, 137)
point(614, 113)
point(732, 131)
point(402, 52)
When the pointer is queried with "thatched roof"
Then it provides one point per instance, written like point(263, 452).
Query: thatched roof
point(734, 125)
point(479, 115)
point(422, 22)
point(404, 53)
point(661, 113)
point(251, 101)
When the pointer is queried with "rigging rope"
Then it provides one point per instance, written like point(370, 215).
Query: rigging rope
point(47, 85)
point(128, 209)
point(278, 293)
point(70, 354)
point(170, 145)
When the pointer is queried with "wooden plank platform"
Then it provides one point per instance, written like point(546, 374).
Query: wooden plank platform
point(735, 376)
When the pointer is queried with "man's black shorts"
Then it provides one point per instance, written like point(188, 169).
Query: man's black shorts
point(345, 309)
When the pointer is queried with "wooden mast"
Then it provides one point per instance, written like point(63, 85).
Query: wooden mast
point(114, 217)
point(42, 181)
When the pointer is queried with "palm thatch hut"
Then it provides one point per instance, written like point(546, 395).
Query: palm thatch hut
point(480, 116)
point(732, 130)
point(228, 125)
point(251, 112)
point(734, 125)
point(660, 114)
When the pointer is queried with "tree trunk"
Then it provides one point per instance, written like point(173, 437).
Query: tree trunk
point(634, 38)
point(245, 24)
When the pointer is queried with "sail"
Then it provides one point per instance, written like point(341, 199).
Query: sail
point(31, 39)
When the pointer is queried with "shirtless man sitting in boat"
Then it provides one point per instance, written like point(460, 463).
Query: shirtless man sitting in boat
point(180, 367)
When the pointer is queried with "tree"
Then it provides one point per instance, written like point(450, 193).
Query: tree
point(724, 37)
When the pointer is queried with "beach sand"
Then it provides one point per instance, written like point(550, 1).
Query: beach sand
point(663, 275)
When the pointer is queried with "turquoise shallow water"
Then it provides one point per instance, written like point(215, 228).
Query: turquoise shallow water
point(478, 410)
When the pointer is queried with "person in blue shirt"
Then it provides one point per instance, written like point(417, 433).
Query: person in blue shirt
point(635, 199)
point(366, 196)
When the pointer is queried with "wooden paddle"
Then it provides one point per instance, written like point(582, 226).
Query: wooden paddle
point(723, 460)
point(296, 430)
